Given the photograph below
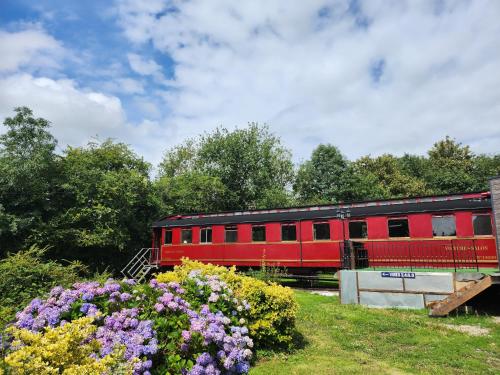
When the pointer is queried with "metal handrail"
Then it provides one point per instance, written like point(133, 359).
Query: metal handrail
point(146, 258)
point(134, 258)
point(137, 261)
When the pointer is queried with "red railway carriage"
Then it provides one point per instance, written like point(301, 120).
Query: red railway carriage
point(436, 232)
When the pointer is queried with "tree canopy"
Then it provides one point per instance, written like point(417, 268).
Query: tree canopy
point(106, 201)
point(89, 203)
point(250, 167)
point(28, 177)
point(449, 167)
point(96, 203)
point(323, 178)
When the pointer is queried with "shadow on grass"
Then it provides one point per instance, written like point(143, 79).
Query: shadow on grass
point(299, 342)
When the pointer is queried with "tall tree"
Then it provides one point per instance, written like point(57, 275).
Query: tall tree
point(414, 165)
point(451, 167)
point(180, 159)
point(28, 173)
point(108, 204)
point(252, 165)
point(485, 167)
point(190, 192)
point(382, 178)
point(322, 178)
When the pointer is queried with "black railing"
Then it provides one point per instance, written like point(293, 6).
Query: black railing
point(438, 254)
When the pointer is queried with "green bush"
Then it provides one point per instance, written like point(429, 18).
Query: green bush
point(271, 318)
point(157, 327)
point(25, 275)
point(69, 349)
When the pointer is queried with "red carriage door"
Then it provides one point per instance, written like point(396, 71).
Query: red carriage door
point(156, 238)
point(155, 251)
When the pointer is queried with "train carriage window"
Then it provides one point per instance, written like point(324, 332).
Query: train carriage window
point(482, 225)
point(443, 226)
point(206, 235)
point(168, 237)
point(288, 232)
point(258, 233)
point(231, 233)
point(186, 236)
point(321, 231)
point(358, 229)
point(398, 228)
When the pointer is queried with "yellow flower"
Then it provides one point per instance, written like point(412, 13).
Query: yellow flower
point(273, 308)
point(62, 350)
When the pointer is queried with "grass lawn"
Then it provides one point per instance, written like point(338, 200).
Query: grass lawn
point(340, 339)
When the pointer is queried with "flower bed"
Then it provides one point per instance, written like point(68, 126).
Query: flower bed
point(272, 312)
point(198, 327)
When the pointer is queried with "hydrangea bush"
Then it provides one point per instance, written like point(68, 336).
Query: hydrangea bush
point(196, 328)
point(272, 308)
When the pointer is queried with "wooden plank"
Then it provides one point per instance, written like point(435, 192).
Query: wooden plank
point(456, 299)
point(459, 285)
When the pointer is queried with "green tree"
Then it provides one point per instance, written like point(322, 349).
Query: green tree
point(451, 167)
point(180, 159)
point(414, 165)
point(383, 178)
point(107, 205)
point(28, 175)
point(361, 184)
point(449, 148)
point(190, 192)
point(322, 178)
point(254, 168)
point(485, 167)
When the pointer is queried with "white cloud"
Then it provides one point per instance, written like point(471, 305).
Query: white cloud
point(280, 62)
point(147, 106)
point(125, 86)
point(309, 76)
point(26, 47)
point(145, 67)
point(78, 114)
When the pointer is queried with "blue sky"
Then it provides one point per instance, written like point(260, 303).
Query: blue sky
point(371, 77)
point(97, 44)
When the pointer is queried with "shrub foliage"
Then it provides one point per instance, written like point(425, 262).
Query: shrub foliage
point(24, 275)
point(66, 349)
point(197, 319)
point(161, 328)
point(271, 318)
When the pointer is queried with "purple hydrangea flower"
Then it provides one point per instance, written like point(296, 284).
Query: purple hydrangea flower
point(226, 348)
